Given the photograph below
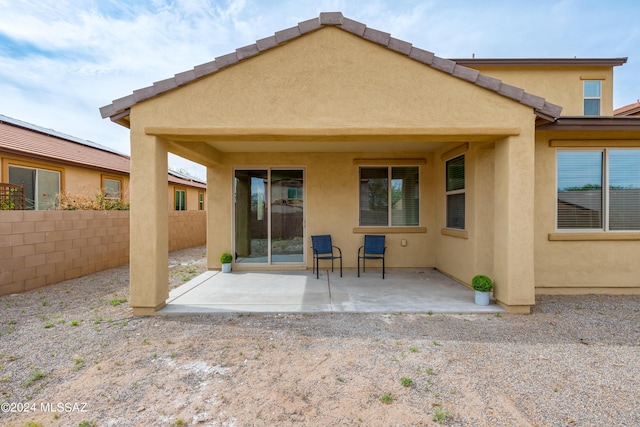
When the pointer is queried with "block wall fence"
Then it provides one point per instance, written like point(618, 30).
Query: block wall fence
point(40, 248)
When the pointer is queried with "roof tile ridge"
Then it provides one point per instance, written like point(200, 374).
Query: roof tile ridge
point(338, 20)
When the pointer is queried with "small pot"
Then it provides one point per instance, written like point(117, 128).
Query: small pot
point(482, 298)
point(226, 268)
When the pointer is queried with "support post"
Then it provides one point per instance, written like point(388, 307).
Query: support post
point(149, 247)
point(514, 222)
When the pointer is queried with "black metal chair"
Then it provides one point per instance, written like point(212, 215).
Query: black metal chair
point(323, 249)
point(373, 248)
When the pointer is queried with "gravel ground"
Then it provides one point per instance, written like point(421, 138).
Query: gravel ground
point(72, 354)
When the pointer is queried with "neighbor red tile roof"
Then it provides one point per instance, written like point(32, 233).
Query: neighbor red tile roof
point(37, 143)
point(628, 110)
point(119, 109)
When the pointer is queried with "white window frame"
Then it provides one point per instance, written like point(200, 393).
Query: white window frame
point(585, 97)
point(454, 192)
point(605, 193)
point(389, 194)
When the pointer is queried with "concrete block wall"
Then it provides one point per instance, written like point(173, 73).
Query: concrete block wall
point(39, 248)
point(187, 229)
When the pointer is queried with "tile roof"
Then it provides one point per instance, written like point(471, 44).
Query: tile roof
point(119, 107)
point(628, 110)
point(32, 141)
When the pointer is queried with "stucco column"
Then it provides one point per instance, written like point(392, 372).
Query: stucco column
point(514, 222)
point(149, 287)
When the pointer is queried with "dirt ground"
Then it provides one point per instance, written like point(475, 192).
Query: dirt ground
point(72, 354)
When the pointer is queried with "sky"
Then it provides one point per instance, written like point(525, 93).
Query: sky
point(61, 60)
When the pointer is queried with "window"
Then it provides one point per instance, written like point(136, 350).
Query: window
point(181, 200)
point(455, 193)
point(200, 201)
point(389, 196)
point(599, 190)
point(592, 97)
point(41, 186)
point(112, 188)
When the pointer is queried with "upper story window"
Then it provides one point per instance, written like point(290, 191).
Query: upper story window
point(200, 201)
point(592, 90)
point(389, 196)
point(599, 190)
point(455, 193)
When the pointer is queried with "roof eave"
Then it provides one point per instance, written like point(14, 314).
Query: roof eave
point(593, 123)
point(542, 62)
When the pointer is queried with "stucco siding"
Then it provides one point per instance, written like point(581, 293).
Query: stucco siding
point(559, 85)
point(593, 262)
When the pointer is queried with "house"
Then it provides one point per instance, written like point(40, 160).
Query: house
point(49, 163)
point(470, 166)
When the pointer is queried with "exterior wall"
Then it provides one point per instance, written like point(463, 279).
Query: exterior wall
point(578, 263)
point(187, 229)
point(475, 243)
point(39, 248)
point(559, 85)
point(331, 206)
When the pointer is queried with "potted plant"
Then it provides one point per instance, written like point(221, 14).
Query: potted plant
point(226, 259)
point(482, 286)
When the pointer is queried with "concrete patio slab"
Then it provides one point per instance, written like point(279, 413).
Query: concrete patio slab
point(402, 291)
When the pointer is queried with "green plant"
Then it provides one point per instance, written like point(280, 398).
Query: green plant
point(482, 283)
point(439, 415)
point(75, 322)
point(48, 325)
point(117, 301)
point(386, 398)
point(34, 375)
point(87, 423)
point(413, 349)
point(226, 258)
point(406, 382)
point(79, 364)
point(6, 199)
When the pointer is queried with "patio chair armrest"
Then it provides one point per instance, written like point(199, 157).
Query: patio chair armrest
point(339, 250)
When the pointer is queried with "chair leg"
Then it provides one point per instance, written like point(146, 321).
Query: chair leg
point(358, 266)
point(382, 268)
point(340, 266)
point(317, 269)
point(332, 265)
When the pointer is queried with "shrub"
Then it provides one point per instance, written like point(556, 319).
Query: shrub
point(226, 258)
point(83, 202)
point(482, 283)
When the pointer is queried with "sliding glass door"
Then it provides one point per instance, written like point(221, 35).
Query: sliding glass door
point(269, 216)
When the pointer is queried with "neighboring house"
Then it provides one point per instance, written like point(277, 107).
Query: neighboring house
point(515, 168)
point(48, 163)
point(628, 110)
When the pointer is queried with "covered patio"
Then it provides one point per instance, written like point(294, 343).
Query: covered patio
point(402, 291)
point(347, 132)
